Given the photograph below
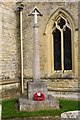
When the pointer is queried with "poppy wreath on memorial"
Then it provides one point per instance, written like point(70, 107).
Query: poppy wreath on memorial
point(38, 96)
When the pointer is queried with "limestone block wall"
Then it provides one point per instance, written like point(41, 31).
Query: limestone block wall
point(10, 41)
point(0, 47)
point(10, 89)
point(58, 87)
point(47, 9)
point(9, 50)
point(79, 48)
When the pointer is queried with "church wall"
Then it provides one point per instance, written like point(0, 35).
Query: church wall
point(10, 53)
point(47, 10)
point(64, 85)
point(79, 48)
point(0, 46)
point(11, 48)
point(10, 42)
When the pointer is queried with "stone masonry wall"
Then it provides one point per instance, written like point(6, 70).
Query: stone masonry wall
point(57, 86)
point(47, 9)
point(0, 47)
point(10, 41)
point(79, 47)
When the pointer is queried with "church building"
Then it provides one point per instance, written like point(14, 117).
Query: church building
point(58, 35)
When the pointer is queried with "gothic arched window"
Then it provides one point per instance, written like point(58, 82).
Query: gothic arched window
point(60, 38)
point(62, 44)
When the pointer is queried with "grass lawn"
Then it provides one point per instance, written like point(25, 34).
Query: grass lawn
point(10, 111)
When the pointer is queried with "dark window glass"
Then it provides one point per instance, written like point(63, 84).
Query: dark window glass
point(61, 23)
point(57, 49)
point(67, 49)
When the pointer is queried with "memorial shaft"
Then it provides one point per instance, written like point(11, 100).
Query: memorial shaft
point(36, 63)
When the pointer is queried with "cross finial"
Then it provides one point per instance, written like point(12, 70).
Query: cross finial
point(35, 11)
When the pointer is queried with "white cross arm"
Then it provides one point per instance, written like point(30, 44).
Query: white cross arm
point(35, 11)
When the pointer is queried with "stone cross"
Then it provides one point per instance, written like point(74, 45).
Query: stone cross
point(36, 64)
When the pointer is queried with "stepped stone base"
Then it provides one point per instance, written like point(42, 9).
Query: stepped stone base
point(32, 105)
point(27, 103)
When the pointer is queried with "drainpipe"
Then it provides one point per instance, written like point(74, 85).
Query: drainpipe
point(20, 10)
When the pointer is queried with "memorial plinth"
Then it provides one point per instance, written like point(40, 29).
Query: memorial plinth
point(37, 95)
point(34, 87)
point(26, 104)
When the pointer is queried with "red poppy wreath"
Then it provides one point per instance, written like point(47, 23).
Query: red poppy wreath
point(38, 96)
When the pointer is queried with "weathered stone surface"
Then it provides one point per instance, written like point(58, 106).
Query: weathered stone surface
point(32, 105)
point(37, 86)
point(10, 90)
point(73, 115)
point(65, 94)
point(10, 42)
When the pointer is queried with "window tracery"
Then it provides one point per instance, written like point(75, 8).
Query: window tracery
point(62, 44)
point(60, 38)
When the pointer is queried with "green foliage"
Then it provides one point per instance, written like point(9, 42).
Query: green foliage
point(69, 105)
point(10, 109)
